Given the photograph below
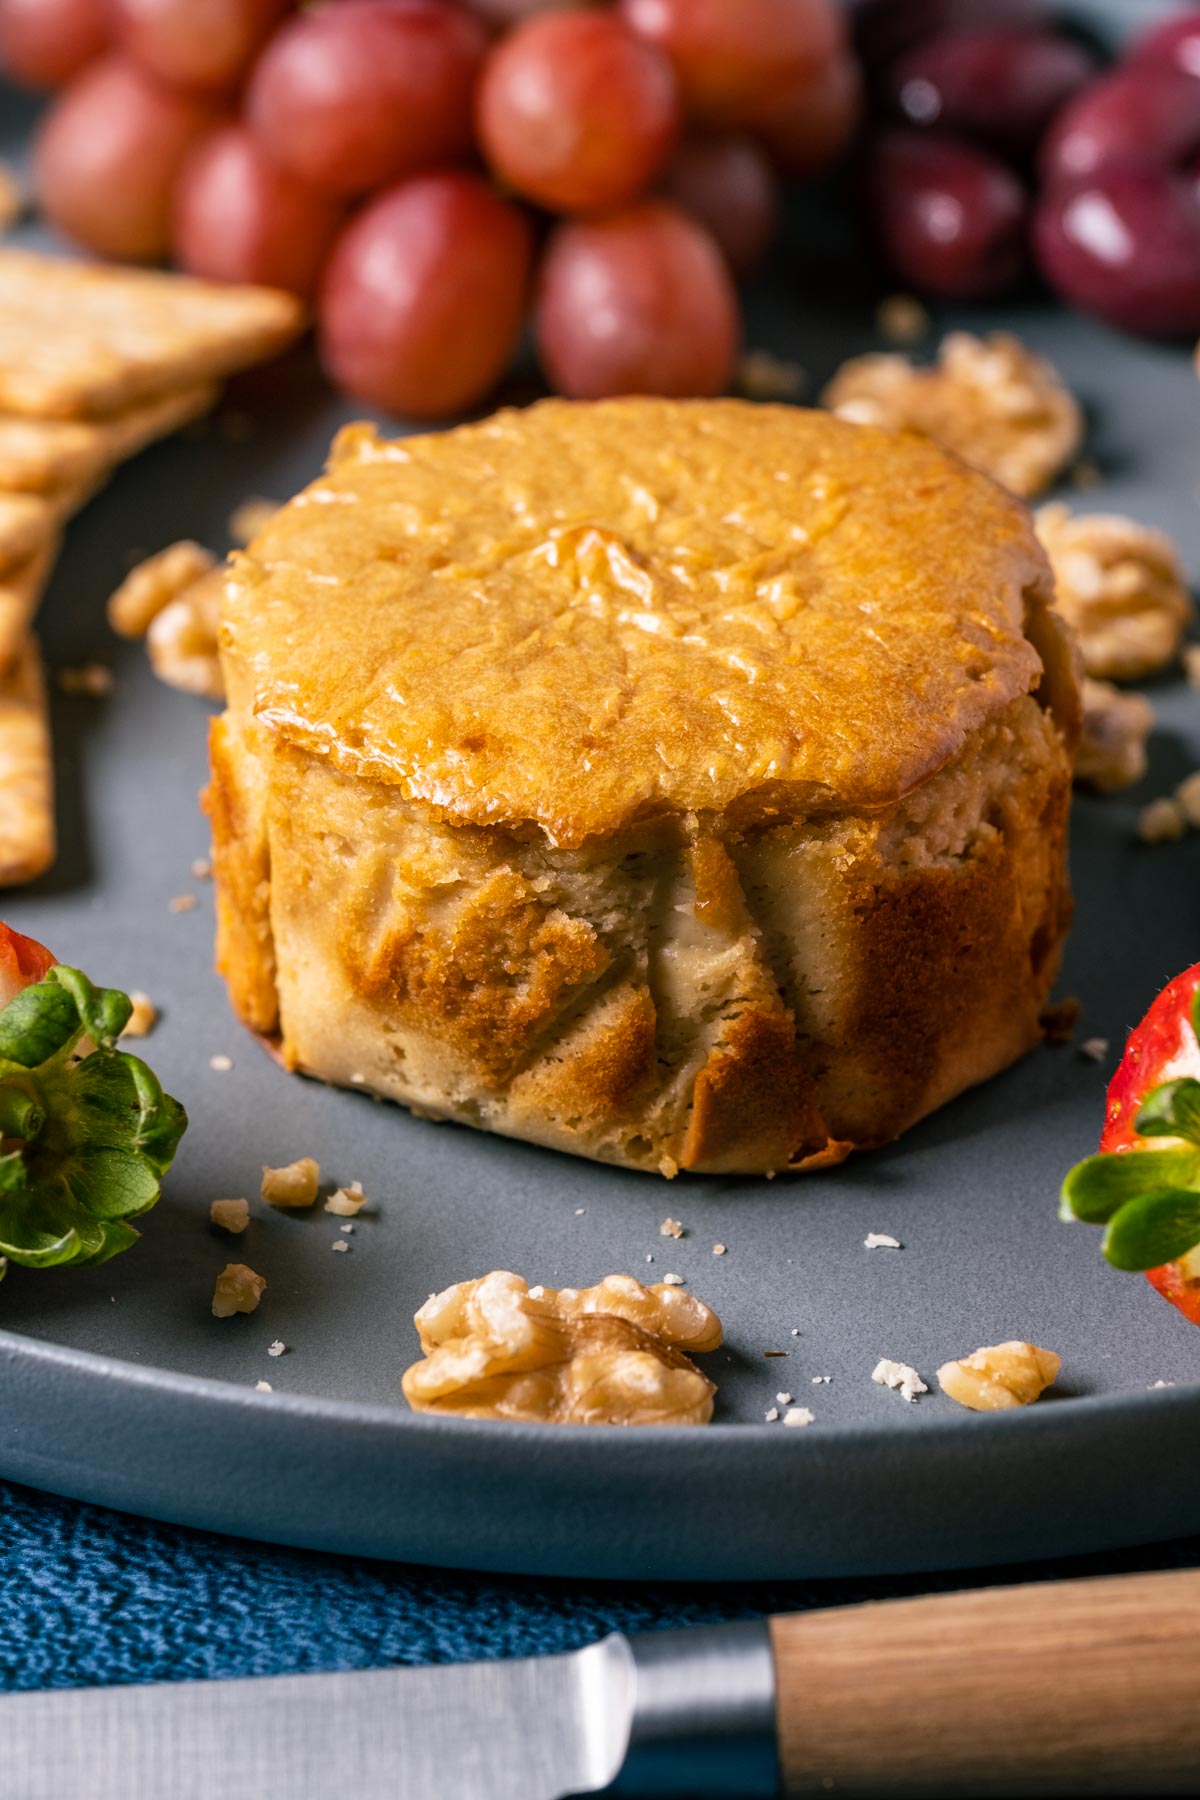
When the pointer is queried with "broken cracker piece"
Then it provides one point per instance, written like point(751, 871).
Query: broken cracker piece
point(87, 340)
point(43, 455)
point(27, 841)
point(21, 590)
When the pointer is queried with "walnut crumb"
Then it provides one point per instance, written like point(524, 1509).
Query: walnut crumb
point(761, 375)
point(238, 1290)
point(154, 583)
point(143, 1018)
point(230, 1215)
point(12, 198)
point(989, 399)
point(673, 1280)
point(880, 1240)
point(1112, 748)
point(1121, 586)
point(718, 1250)
point(669, 1167)
point(901, 319)
point(340, 1244)
point(94, 679)
point(1000, 1376)
point(771, 1414)
point(222, 1064)
point(1162, 821)
point(670, 1228)
point(202, 869)
point(1188, 796)
point(614, 1354)
point(277, 1348)
point(1094, 1049)
point(799, 1415)
point(248, 519)
point(294, 1184)
point(263, 1387)
point(784, 1399)
point(181, 903)
point(900, 1376)
point(821, 1380)
point(1058, 1022)
point(347, 1202)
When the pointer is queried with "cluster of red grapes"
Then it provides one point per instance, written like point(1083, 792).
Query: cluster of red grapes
point(997, 142)
point(431, 172)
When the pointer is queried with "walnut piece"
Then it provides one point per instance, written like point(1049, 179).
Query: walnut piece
point(1162, 821)
point(230, 1215)
point(295, 1184)
point(901, 1376)
point(347, 1201)
point(1121, 585)
point(608, 1355)
point(238, 1290)
point(154, 583)
point(1000, 1376)
point(1112, 746)
point(143, 1018)
point(991, 400)
point(181, 640)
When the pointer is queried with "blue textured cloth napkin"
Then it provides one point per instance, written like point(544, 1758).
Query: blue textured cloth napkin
point(93, 1597)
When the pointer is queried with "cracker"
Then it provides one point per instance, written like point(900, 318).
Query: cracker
point(86, 340)
point(20, 592)
point(30, 522)
point(37, 455)
point(26, 771)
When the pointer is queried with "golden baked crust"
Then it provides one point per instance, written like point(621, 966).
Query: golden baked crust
point(575, 617)
point(625, 970)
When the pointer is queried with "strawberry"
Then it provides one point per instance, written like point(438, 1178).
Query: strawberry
point(1144, 1185)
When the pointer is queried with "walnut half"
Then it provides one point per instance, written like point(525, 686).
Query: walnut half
point(992, 400)
point(1000, 1376)
point(608, 1355)
point(1121, 585)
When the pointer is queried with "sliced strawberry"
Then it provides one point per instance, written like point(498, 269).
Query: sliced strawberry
point(22, 961)
point(1144, 1186)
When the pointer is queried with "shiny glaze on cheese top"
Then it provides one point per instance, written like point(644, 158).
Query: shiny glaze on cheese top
point(581, 614)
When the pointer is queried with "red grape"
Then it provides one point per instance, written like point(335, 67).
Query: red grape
point(205, 44)
point(107, 155)
point(422, 299)
point(949, 218)
point(1149, 115)
point(510, 12)
point(885, 29)
point(1176, 42)
point(45, 43)
point(238, 217)
point(639, 302)
point(576, 112)
point(727, 183)
point(735, 57)
point(1001, 86)
point(809, 123)
point(1125, 244)
point(354, 95)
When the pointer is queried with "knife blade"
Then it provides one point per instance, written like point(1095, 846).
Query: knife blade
point(693, 1705)
point(1052, 1688)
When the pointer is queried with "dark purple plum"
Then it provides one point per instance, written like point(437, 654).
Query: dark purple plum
point(1125, 245)
point(948, 218)
point(1001, 88)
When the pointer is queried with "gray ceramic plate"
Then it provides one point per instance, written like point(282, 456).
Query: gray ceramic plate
point(118, 1386)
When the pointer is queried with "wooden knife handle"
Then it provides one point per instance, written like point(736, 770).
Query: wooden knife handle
point(1056, 1687)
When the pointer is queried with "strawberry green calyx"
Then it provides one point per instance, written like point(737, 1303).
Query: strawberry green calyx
point(87, 1131)
point(1147, 1199)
